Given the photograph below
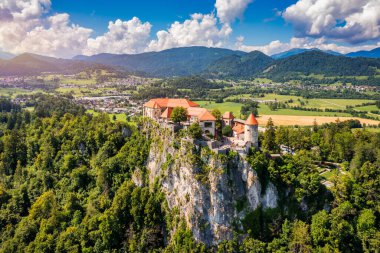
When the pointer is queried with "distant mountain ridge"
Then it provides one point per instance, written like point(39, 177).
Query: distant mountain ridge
point(317, 62)
point(295, 51)
point(374, 53)
point(239, 66)
point(203, 61)
point(172, 62)
point(33, 64)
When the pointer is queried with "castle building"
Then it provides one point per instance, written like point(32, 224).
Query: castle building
point(243, 130)
point(160, 110)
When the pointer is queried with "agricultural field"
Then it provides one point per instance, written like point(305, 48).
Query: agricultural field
point(290, 120)
point(81, 91)
point(223, 107)
point(298, 117)
point(264, 110)
point(13, 92)
point(121, 117)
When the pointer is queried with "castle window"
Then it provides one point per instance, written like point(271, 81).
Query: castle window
point(208, 124)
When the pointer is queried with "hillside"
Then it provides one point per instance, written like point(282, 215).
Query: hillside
point(375, 53)
point(5, 55)
point(239, 66)
point(172, 62)
point(81, 183)
point(316, 62)
point(32, 64)
point(295, 51)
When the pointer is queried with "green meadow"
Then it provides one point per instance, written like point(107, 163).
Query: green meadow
point(121, 117)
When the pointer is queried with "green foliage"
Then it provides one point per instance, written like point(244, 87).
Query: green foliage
point(179, 114)
point(227, 131)
point(248, 108)
point(269, 142)
point(195, 131)
point(236, 66)
point(65, 186)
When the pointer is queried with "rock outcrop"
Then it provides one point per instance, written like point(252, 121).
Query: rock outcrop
point(213, 193)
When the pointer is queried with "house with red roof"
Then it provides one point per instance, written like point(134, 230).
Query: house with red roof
point(160, 110)
point(243, 130)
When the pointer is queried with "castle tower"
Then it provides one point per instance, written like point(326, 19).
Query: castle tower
point(251, 131)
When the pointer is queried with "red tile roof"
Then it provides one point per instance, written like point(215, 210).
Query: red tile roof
point(170, 102)
point(251, 120)
point(238, 128)
point(228, 115)
point(167, 113)
point(201, 113)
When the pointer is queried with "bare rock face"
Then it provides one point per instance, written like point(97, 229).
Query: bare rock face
point(206, 191)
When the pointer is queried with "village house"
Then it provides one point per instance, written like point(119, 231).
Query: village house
point(160, 110)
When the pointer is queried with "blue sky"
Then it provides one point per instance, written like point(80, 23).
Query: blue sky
point(65, 28)
point(259, 24)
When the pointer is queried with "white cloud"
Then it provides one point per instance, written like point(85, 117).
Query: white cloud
point(229, 10)
point(58, 39)
point(127, 37)
point(199, 30)
point(277, 46)
point(26, 30)
point(351, 21)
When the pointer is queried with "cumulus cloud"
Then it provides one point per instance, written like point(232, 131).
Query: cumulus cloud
point(127, 37)
point(5, 15)
point(229, 10)
point(342, 20)
point(26, 30)
point(199, 30)
point(58, 39)
point(277, 46)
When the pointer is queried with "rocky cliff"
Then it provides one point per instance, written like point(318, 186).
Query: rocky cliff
point(212, 192)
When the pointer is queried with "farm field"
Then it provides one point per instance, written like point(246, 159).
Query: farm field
point(290, 120)
point(13, 92)
point(119, 116)
point(264, 110)
point(79, 91)
point(223, 107)
point(320, 103)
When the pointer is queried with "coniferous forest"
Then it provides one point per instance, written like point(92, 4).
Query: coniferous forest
point(66, 185)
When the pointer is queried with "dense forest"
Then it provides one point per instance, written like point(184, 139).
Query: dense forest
point(66, 185)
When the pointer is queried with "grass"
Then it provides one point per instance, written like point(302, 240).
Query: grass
point(13, 92)
point(120, 117)
point(79, 91)
point(264, 110)
point(367, 108)
point(223, 107)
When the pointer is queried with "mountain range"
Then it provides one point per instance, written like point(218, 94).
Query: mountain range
point(375, 53)
point(208, 62)
point(295, 51)
point(33, 64)
point(172, 62)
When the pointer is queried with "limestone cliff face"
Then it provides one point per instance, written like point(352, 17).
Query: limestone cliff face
point(212, 194)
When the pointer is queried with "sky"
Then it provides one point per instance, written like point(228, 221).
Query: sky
point(65, 28)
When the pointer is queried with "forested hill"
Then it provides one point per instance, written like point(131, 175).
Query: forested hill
point(316, 62)
point(71, 182)
point(209, 62)
point(237, 66)
point(32, 64)
point(172, 62)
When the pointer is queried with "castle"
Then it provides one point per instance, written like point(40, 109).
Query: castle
point(245, 132)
